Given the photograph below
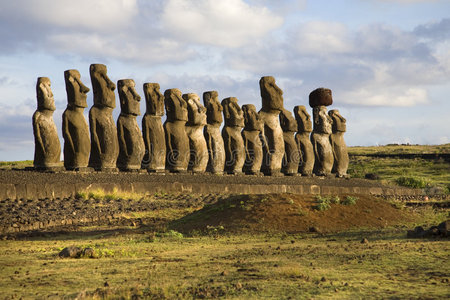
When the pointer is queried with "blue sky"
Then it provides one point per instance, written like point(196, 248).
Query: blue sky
point(386, 61)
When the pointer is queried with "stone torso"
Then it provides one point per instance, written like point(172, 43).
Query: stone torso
point(155, 143)
point(274, 150)
point(47, 147)
point(177, 143)
point(104, 144)
point(306, 151)
point(216, 150)
point(253, 151)
point(323, 153)
point(341, 158)
point(131, 144)
point(76, 139)
point(234, 149)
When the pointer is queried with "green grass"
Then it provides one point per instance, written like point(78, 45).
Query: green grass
point(400, 149)
point(434, 172)
point(275, 266)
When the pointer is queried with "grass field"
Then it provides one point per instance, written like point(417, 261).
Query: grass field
point(149, 263)
point(277, 266)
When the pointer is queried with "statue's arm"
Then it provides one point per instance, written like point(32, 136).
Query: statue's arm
point(37, 134)
point(66, 133)
point(93, 128)
point(122, 141)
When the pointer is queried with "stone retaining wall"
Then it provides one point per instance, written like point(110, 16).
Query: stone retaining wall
point(54, 190)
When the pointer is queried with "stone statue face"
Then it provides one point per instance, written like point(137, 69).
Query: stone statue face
point(322, 121)
point(44, 94)
point(129, 98)
point(232, 112)
point(339, 122)
point(287, 121)
point(213, 107)
point(176, 107)
point(102, 86)
point(76, 90)
point(196, 111)
point(271, 94)
point(303, 119)
point(154, 99)
point(251, 118)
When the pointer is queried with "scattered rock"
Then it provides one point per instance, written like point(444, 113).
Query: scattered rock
point(372, 176)
point(224, 273)
point(89, 252)
point(442, 230)
point(364, 241)
point(70, 252)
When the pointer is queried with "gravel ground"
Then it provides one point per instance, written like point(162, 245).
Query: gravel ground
point(21, 176)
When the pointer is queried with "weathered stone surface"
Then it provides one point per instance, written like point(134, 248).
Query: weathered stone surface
point(272, 137)
point(213, 137)
point(177, 141)
point(75, 130)
point(338, 145)
point(70, 252)
point(232, 138)
point(320, 97)
point(104, 143)
point(291, 157)
point(152, 129)
point(47, 149)
point(194, 128)
point(131, 143)
point(320, 139)
point(302, 137)
point(252, 141)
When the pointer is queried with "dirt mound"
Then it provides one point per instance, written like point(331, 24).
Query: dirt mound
point(290, 213)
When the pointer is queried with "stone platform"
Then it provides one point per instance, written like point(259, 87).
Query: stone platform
point(21, 184)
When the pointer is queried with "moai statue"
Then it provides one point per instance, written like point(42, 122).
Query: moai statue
point(302, 137)
point(131, 143)
point(47, 149)
point(338, 144)
point(104, 143)
point(252, 141)
point(153, 131)
point(232, 138)
point(213, 137)
point(291, 157)
point(75, 130)
point(198, 160)
point(320, 137)
point(177, 141)
point(272, 138)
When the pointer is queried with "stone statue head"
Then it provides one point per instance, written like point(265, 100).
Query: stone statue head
point(129, 98)
point(213, 107)
point(102, 87)
point(339, 122)
point(176, 107)
point(252, 120)
point(76, 90)
point(287, 121)
point(271, 94)
point(44, 94)
point(322, 121)
point(154, 99)
point(320, 97)
point(196, 111)
point(234, 117)
point(303, 118)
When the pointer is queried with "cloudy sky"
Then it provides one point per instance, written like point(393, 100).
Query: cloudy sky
point(386, 61)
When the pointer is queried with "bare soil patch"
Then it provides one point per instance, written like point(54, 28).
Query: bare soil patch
point(290, 213)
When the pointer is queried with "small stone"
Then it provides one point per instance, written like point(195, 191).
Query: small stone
point(71, 252)
point(323, 279)
point(238, 285)
point(364, 241)
point(224, 273)
point(88, 252)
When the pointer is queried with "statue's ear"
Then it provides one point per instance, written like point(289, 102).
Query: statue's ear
point(226, 111)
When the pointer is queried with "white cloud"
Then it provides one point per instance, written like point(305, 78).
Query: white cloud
point(228, 23)
point(104, 15)
point(369, 96)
